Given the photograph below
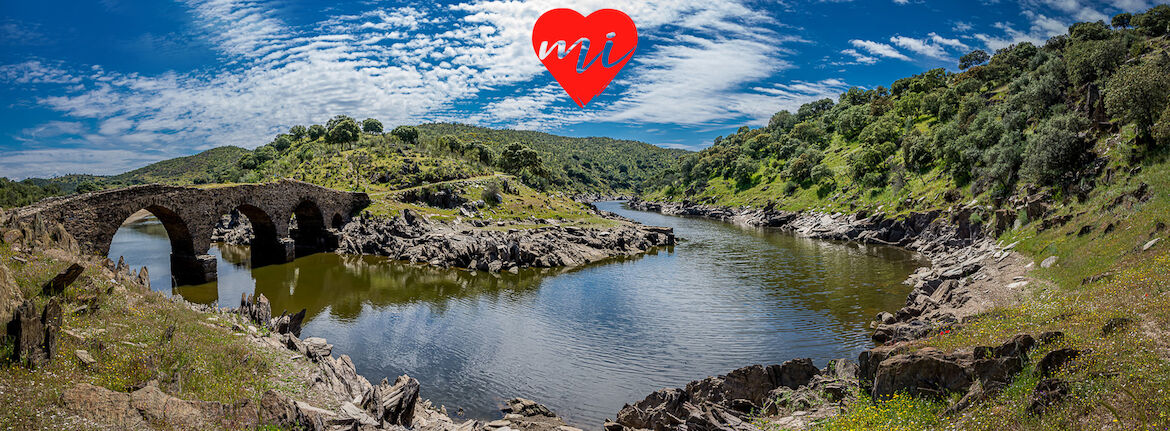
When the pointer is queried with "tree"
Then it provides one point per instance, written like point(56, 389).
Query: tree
point(282, 142)
point(1090, 60)
point(316, 131)
point(782, 120)
point(853, 120)
point(358, 160)
point(1122, 20)
point(298, 132)
point(814, 109)
point(88, 186)
point(1056, 149)
point(1138, 94)
point(973, 58)
point(337, 119)
point(743, 169)
point(1155, 22)
point(1090, 31)
point(517, 157)
point(407, 134)
point(1162, 127)
point(344, 131)
point(371, 125)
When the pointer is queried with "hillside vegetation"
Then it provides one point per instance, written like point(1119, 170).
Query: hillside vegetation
point(1055, 116)
point(1078, 128)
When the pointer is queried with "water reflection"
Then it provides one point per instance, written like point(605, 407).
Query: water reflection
point(582, 341)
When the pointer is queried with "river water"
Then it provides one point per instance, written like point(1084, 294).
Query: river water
point(582, 341)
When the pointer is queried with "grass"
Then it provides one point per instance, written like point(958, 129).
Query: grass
point(1121, 381)
point(202, 360)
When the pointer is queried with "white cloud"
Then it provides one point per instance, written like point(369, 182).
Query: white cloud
point(879, 49)
point(858, 57)
point(35, 72)
point(43, 163)
point(919, 46)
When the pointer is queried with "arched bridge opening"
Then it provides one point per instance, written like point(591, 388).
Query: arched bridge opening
point(190, 216)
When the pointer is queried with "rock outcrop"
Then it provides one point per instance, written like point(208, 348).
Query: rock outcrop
point(411, 237)
point(785, 393)
point(34, 331)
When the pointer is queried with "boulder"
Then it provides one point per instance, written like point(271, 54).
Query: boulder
point(316, 347)
point(84, 357)
point(926, 372)
point(102, 405)
point(526, 407)
point(1055, 360)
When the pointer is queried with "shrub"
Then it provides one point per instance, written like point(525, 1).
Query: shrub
point(1055, 149)
point(1138, 93)
point(791, 187)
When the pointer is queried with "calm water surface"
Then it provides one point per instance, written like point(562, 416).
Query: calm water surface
point(583, 341)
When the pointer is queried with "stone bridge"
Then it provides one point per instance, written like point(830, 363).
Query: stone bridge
point(190, 215)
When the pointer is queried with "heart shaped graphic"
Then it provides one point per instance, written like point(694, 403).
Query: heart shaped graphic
point(584, 53)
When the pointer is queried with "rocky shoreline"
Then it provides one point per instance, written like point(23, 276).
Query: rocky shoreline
point(477, 244)
point(969, 274)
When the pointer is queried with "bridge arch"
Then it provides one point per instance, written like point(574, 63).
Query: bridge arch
point(190, 215)
point(310, 235)
point(267, 247)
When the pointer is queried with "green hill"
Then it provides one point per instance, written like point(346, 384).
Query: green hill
point(592, 164)
point(210, 166)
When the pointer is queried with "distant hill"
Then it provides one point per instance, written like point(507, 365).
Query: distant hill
point(591, 164)
point(206, 167)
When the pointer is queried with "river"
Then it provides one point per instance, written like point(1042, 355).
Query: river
point(582, 341)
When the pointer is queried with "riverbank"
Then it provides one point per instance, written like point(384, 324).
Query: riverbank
point(101, 350)
point(970, 273)
point(1062, 328)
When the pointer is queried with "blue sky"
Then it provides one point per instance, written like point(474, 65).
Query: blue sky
point(107, 86)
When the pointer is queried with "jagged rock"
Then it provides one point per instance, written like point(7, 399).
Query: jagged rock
point(10, 296)
point(412, 238)
point(256, 308)
point(144, 278)
point(59, 282)
point(1056, 359)
point(394, 404)
point(721, 402)
point(34, 334)
point(1151, 244)
point(1048, 392)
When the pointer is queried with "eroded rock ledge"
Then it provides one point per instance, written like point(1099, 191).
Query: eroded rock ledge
point(475, 244)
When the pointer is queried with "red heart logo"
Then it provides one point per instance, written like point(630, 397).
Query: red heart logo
point(584, 53)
